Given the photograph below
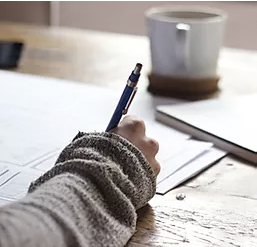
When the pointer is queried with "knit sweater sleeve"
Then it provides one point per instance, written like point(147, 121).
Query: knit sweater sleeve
point(89, 198)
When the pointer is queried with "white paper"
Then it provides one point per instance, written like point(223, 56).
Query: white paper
point(15, 180)
point(7, 175)
point(40, 116)
point(169, 140)
point(17, 186)
point(184, 154)
point(44, 114)
point(46, 164)
point(4, 201)
point(190, 170)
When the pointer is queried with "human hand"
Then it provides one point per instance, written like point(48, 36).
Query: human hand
point(133, 129)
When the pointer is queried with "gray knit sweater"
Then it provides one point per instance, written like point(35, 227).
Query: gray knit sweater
point(89, 198)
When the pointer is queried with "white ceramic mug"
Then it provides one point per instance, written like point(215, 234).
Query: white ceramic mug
point(185, 41)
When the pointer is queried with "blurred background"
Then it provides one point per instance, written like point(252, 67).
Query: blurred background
point(127, 17)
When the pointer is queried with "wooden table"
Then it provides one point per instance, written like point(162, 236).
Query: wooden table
point(220, 208)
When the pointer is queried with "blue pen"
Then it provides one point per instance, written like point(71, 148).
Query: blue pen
point(126, 98)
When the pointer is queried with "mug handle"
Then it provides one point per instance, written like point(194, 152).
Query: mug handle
point(182, 44)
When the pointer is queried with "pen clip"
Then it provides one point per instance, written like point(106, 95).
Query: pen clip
point(130, 101)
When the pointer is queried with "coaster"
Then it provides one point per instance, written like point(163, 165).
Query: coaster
point(185, 88)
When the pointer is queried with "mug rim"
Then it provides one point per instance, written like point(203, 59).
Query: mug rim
point(152, 13)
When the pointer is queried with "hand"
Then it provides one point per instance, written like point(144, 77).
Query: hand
point(133, 129)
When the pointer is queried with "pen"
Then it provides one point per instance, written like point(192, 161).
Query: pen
point(126, 97)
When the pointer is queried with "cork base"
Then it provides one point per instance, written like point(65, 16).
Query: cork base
point(192, 89)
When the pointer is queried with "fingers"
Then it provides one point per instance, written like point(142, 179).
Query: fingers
point(156, 168)
point(134, 124)
point(153, 146)
point(136, 127)
point(150, 148)
point(133, 129)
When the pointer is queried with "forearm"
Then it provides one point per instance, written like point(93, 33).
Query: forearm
point(88, 199)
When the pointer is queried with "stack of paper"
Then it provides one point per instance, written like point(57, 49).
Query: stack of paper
point(39, 116)
point(189, 170)
point(180, 157)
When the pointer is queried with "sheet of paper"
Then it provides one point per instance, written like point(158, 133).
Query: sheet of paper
point(40, 116)
point(4, 201)
point(15, 180)
point(184, 154)
point(7, 174)
point(169, 140)
point(42, 108)
point(3, 169)
point(190, 170)
point(46, 164)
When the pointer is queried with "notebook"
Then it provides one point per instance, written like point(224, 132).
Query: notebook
point(231, 124)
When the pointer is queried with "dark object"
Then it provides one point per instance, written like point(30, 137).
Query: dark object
point(184, 88)
point(10, 53)
point(180, 196)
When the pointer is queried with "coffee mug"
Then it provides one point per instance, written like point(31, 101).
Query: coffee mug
point(185, 41)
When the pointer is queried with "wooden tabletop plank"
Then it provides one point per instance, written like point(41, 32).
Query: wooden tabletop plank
point(203, 218)
point(105, 58)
